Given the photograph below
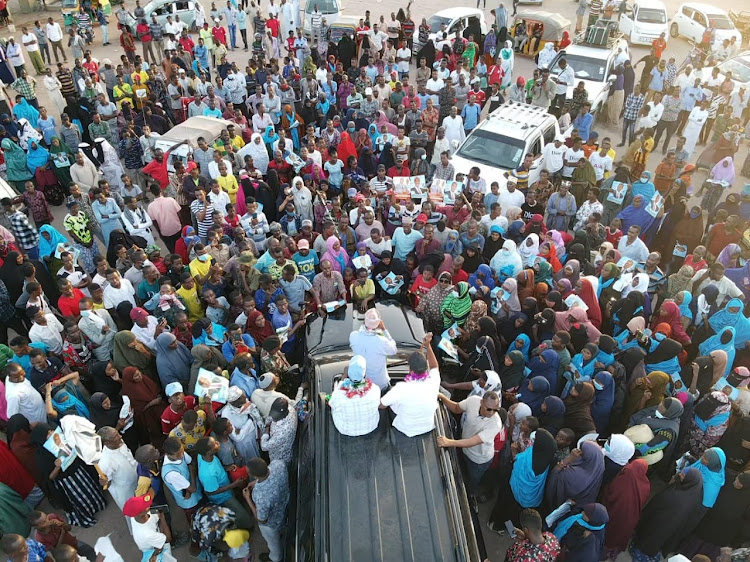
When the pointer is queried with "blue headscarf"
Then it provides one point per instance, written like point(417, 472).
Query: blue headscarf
point(36, 157)
point(687, 298)
point(534, 398)
point(547, 368)
point(48, 247)
point(646, 189)
point(713, 480)
point(632, 215)
point(215, 340)
point(594, 524)
point(724, 318)
point(530, 470)
point(604, 398)
point(372, 132)
point(714, 344)
point(63, 407)
point(270, 137)
point(487, 279)
point(24, 110)
point(526, 345)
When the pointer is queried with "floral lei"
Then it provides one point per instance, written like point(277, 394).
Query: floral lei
point(417, 376)
point(353, 389)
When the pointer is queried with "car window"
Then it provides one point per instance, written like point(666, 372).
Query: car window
point(492, 149)
point(536, 147)
point(549, 134)
point(435, 22)
point(699, 19)
point(648, 15)
point(164, 10)
point(456, 25)
point(182, 6)
point(720, 22)
point(325, 6)
point(585, 68)
point(687, 12)
point(739, 67)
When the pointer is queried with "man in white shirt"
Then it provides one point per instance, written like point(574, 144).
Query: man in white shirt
point(571, 158)
point(118, 465)
point(482, 423)
point(355, 402)
point(601, 162)
point(218, 197)
point(495, 218)
point(377, 38)
point(564, 80)
point(146, 328)
point(554, 154)
point(118, 291)
point(46, 329)
point(510, 196)
point(99, 327)
point(29, 40)
point(373, 342)
point(136, 220)
point(403, 58)
point(146, 533)
point(433, 87)
point(55, 36)
point(414, 400)
point(715, 276)
point(23, 398)
point(631, 246)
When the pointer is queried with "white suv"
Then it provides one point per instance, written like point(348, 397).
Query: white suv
point(498, 144)
point(692, 19)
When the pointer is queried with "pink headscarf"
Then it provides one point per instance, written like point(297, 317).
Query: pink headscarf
point(339, 259)
point(724, 170)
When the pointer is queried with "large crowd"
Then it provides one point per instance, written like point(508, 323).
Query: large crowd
point(589, 328)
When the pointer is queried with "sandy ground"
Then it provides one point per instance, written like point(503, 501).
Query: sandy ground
point(111, 520)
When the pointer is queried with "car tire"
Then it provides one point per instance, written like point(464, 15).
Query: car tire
point(674, 30)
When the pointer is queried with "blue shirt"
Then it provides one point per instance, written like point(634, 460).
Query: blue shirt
point(228, 351)
point(403, 243)
point(583, 124)
point(470, 115)
point(25, 361)
point(215, 112)
point(247, 384)
point(213, 476)
point(689, 97)
point(306, 264)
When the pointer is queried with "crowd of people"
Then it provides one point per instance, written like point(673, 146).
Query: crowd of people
point(588, 326)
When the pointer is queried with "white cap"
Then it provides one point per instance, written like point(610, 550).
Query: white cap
point(357, 368)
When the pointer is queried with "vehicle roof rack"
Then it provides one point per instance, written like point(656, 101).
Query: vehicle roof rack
point(524, 115)
point(581, 38)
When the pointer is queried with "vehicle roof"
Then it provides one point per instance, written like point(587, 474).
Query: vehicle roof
point(708, 8)
point(194, 127)
point(551, 19)
point(651, 4)
point(516, 120)
point(589, 51)
point(459, 12)
point(329, 334)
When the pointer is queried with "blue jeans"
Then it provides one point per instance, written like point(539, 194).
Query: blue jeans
point(474, 473)
point(233, 36)
point(628, 127)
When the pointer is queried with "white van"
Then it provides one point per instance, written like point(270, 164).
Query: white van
point(643, 21)
point(330, 9)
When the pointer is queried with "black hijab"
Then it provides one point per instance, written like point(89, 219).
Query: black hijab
point(554, 418)
point(117, 237)
point(101, 383)
point(471, 264)
point(16, 423)
point(101, 417)
point(666, 349)
point(512, 376)
point(628, 307)
point(12, 276)
point(44, 459)
point(506, 327)
point(543, 451)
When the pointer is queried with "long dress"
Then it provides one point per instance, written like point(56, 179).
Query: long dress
point(53, 87)
point(454, 131)
point(6, 74)
point(695, 123)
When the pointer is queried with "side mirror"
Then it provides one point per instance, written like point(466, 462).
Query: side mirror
point(611, 78)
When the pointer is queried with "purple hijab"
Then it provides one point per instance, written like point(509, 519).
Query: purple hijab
point(580, 480)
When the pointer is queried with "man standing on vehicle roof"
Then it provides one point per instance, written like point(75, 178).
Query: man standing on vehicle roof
point(373, 342)
point(355, 401)
point(565, 79)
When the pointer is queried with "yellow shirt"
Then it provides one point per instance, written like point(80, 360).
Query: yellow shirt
point(361, 292)
point(199, 268)
point(237, 142)
point(99, 306)
point(208, 38)
point(143, 75)
point(192, 303)
point(190, 438)
point(229, 184)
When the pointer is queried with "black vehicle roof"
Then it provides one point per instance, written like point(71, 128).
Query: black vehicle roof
point(331, 333)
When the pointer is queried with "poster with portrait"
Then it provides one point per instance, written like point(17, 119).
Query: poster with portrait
point(655, 205)
point(60, 448)
point(212, 386)
point(402, 188)
point(435, 193)
point(452, 191)
point(617, 195)
point(418, 188)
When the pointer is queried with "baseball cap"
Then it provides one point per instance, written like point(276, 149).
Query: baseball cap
point(357, 368)
point(266, 379)
point(136, 505)
point(138, 313)
point(303, 245)
point(372, 319)
point(351, 192)
point(560, 138)
point(173, 388)
point(359, 197)
point(421, 217)
point(307, 222)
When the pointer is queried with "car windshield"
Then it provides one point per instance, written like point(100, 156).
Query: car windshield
point(740, 69)
point(585, 68)
point(435, 22)
point(325, 6)
point(652, 16)
point(492, 149)
point(720, 22)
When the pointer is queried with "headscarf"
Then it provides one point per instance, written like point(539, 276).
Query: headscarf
point(24, 110)
point(580, 480)
point(36, 157)
point(525, 345)
point(625, 498)
point(641, 286)
point(578, 409)
point(554, 418)
point(724, 170)
point(72, 402)
point(644, 189)
point(526, 284)
point(125, 356)
point(101, 417)
point(512, 375)
point(431, 303)
point(604, 399)
point(456, 307)
point(49, 247)
point(529, 253)
point(737, 320)
point(573, 277)
point(632, 215)
point(589, 298)
point(530, 470)
point(472, 263)
point(477, 312)
point(713, 474)
point(534, 398)
point(15, 161)
point(726, 254)
point(339, 259)
point(258, 153)
point(680, 281)
point(506, 262)
point(545, 365)
point(543, 271)
point(140, 393)
point(510, 288)
point(567, 319)
point(173, 365)
point(483, 273)
point(258, 334)
point(670, 313)
point(658, 381)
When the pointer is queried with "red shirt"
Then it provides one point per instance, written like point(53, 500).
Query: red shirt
point(459, 276)
point(52, 539)
point(273, 25)
point(12, 472)
point(219, 34)
point(695, 265)
point(479, 96)
point(170, 418)
point(395, 172)
point(613, 237)
point(450, 213)
point(158, 171)
point(69, 306)
point(187, 43)
point(659, 45)
point(495, 74)
point(408, 99)
point(420, 287)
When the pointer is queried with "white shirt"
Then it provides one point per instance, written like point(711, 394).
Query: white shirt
point(146, 335)
point(219, 200)
point(54, 32)
point(477, 424)
point(213, 169)
point(508, 199)
point(414, 403)
point(49, 334)
point(375, 347)
point(29, 41)
point(572, 156)
point(147, 536)
point(358, 415)
point(601, 164)
point(403, 53)
point(568, 76)
point(113, 297)
point(553, 157)
point(636, 251)
point(119, 467)
point(24, 399)
point(727, 287)
point(174, 478)
point(501, 221)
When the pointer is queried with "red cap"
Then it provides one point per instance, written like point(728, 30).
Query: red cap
point(359, 197)
point(190, 165)
point(137, 505)
point(138, 314)
point(421, 217)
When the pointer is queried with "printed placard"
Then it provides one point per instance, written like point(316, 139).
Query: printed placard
point(619, 190)
point(60, 448)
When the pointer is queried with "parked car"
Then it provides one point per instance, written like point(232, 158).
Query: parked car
point(163, 8)
point(381, 496)
point(332, 11)
point(466, 18)
point(190, 130)
point(643, 21)
point(692, 19)
point(498, 144)
point(739, 66)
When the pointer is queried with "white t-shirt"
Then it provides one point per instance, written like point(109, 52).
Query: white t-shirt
point(601, 164)
point(28, 38)
point(572, 156)
point(727, 287)
point(569, 77)
point(553, 157)
point(146, 535)
point(414, 403)
point(113, 297)
point(477, 424)
point(403, 53)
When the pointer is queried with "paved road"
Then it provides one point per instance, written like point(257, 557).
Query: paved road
point(111, 521)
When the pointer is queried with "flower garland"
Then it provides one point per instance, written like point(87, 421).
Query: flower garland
point(353, 389)
point(417, 376)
